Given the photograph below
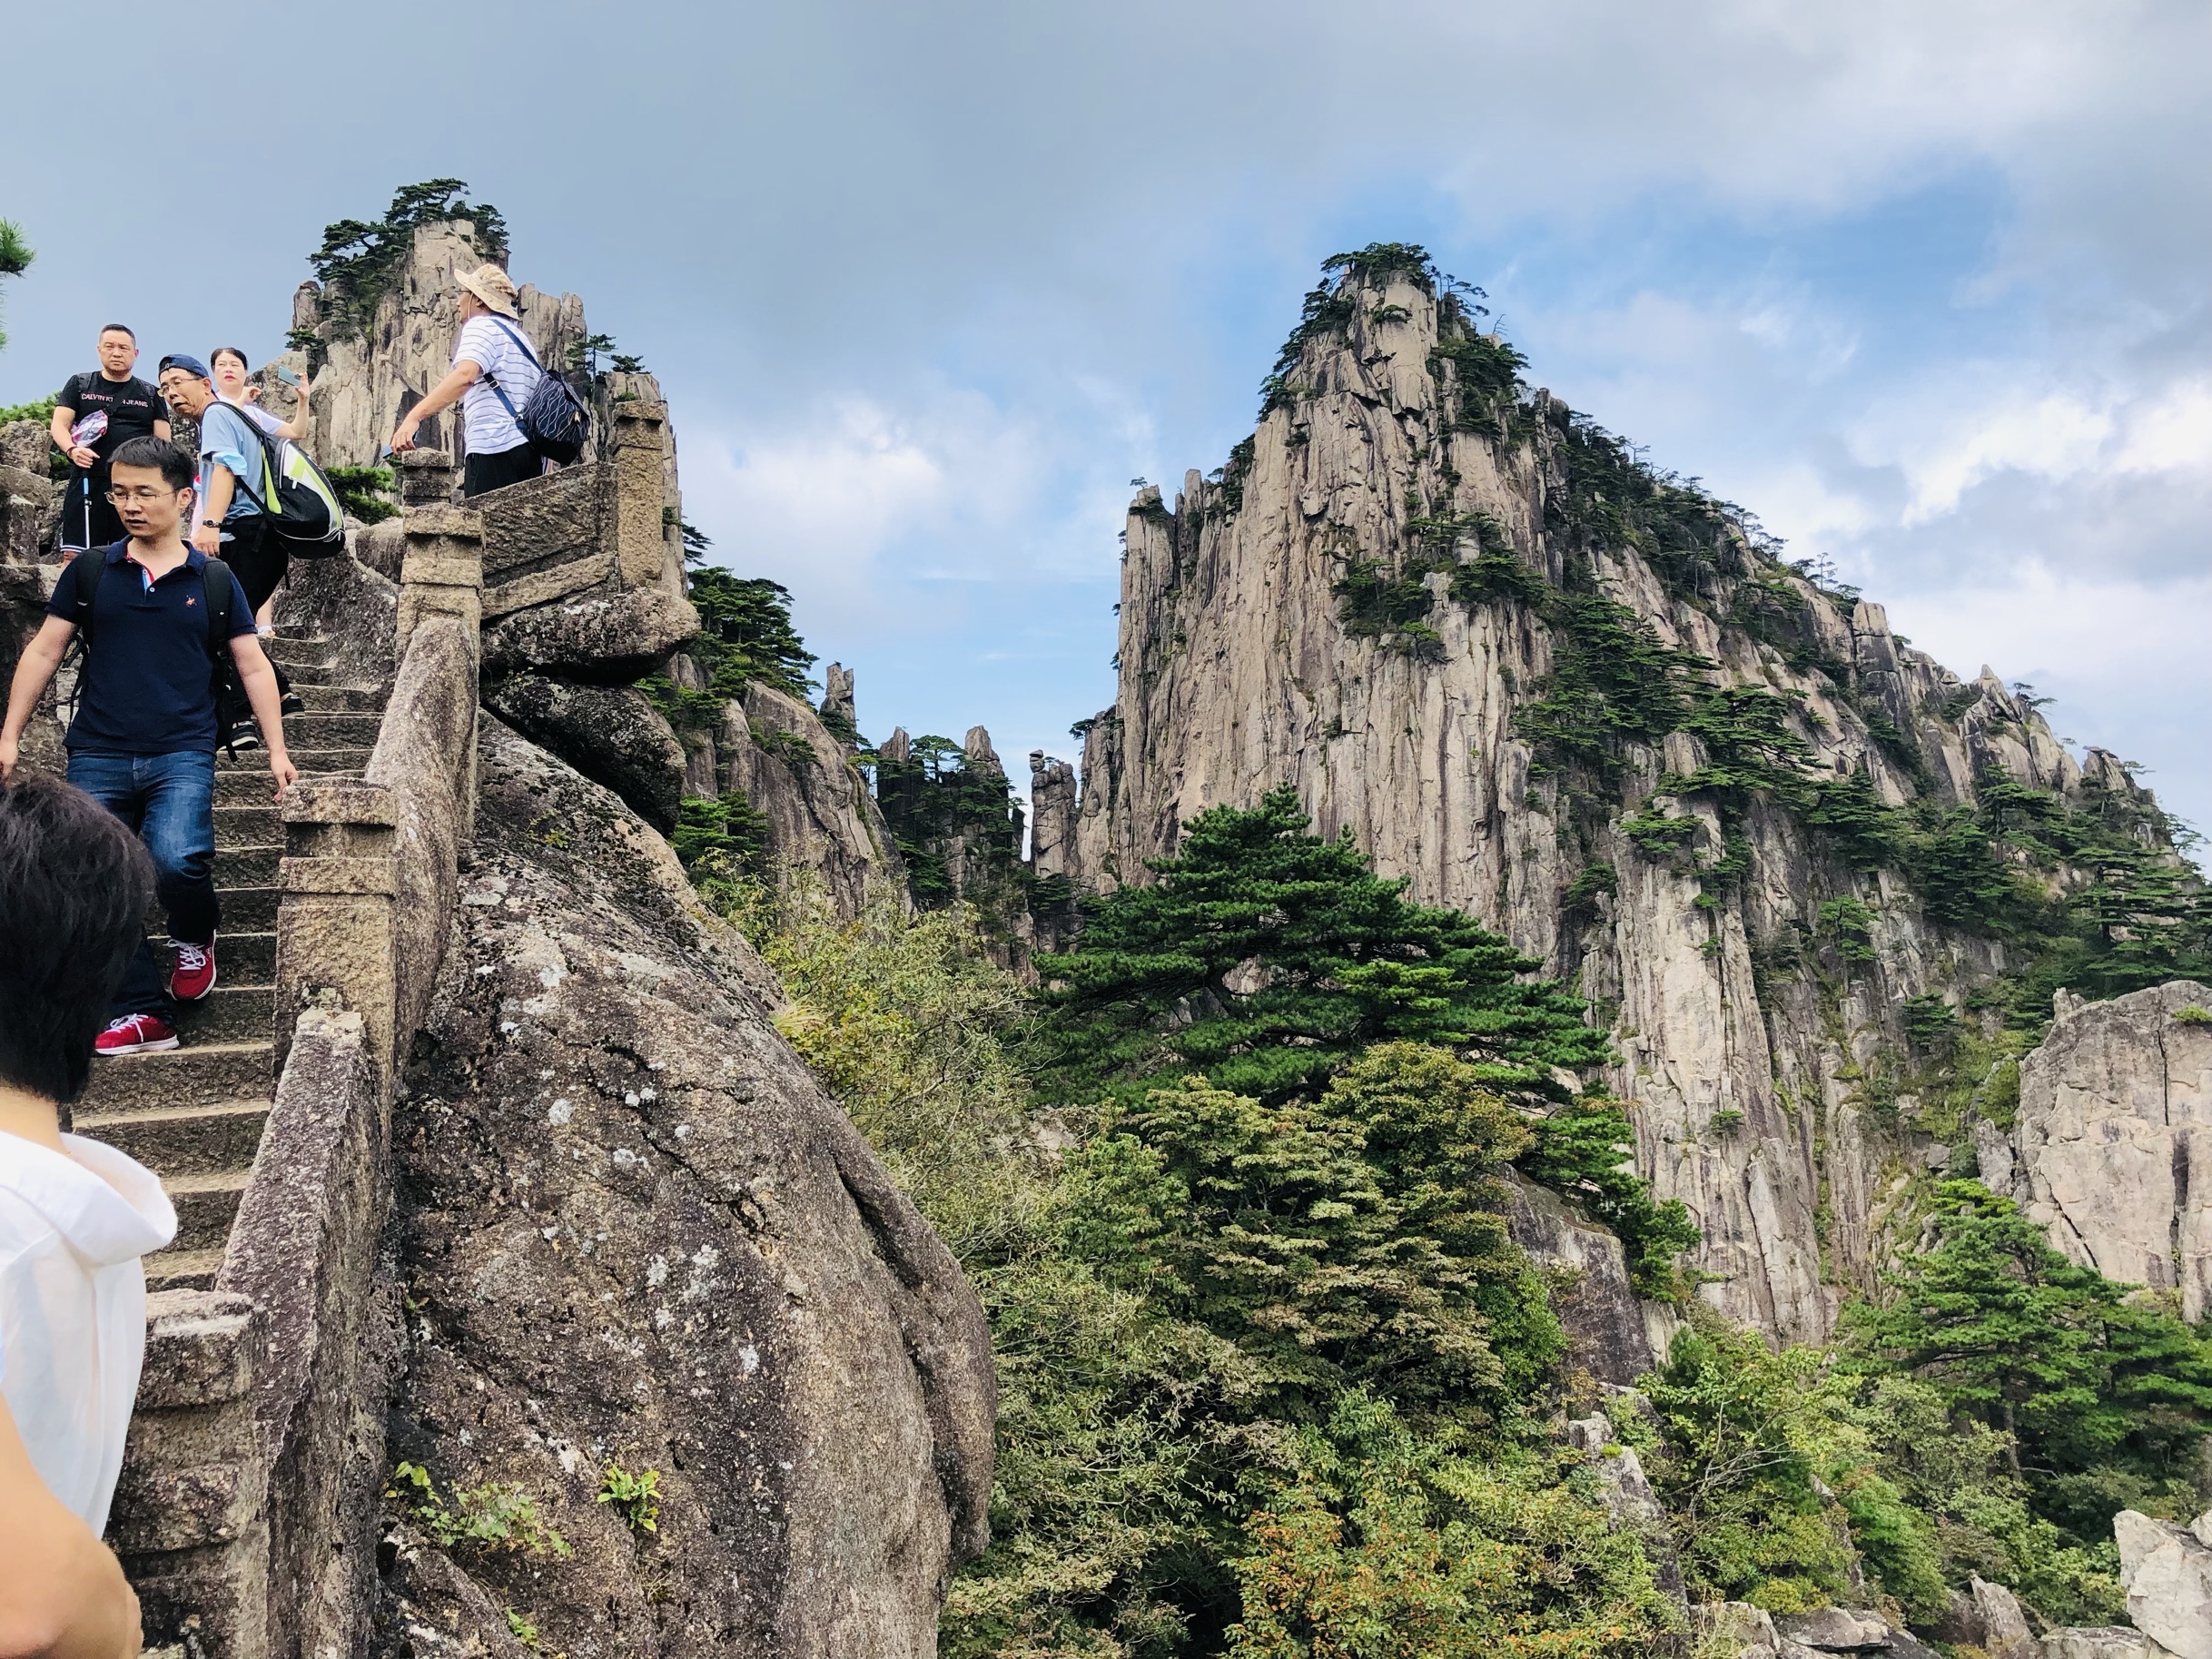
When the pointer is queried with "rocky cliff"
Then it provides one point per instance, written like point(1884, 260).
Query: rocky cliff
point(2111, 1146)
point(1590, 704)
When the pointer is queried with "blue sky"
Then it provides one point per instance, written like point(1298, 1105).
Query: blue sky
point(1923, 286)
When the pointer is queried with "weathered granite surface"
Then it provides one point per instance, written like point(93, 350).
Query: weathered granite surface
point(776, 751)
point(610, 734)
point(2167, 1570)
point(1615, 1335)
point(2111, 1147)
point(632, 1230)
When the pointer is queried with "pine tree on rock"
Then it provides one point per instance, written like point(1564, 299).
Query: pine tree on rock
point(1265, 956)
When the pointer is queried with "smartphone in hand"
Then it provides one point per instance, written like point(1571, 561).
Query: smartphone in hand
point(290, 377)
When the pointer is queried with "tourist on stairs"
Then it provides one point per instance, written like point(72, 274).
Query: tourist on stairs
point(156, 613)
point(75, 1216)
point(231, 523)
point(121, 407)
point(490, 358)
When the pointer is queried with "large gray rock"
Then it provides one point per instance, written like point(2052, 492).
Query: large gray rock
point(2099, 1641)
point(2004, 1627)
point(2112, 1146)
point(822, 820)
point(633, 1230)
point(1837, 1630)
point(1238, 673)
point(1616, 1334)
point(613, 638)
point(610, 734)
point(2167, 1570)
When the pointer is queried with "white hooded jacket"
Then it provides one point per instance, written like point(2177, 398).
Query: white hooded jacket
point(73, 1307)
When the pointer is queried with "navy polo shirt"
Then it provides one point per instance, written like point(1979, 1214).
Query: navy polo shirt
point(147, 685)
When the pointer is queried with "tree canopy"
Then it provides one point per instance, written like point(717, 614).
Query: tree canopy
point(1264, 956)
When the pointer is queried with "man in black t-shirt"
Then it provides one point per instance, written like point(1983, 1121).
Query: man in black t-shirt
point(133, 409)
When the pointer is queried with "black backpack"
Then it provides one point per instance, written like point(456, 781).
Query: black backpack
point(83, 577)
point(553, 418)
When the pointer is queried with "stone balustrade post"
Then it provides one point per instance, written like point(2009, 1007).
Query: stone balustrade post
point(190, 1518)
point(337, 923)
point(443, 575)
point(638, 455)
point(426, 478)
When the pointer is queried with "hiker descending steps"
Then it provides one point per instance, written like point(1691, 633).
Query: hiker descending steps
point(162, 626)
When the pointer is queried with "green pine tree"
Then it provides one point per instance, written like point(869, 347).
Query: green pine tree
point(16, 257)
point(1264, 957)
point(2100, 1395)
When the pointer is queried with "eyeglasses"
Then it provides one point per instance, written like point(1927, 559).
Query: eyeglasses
point(124, 497)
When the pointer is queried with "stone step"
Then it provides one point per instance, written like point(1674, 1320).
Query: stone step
point(206, 1204)
point(244, 827)
point(182, 1270)
point(295, 652)
point(343, 699)
point(246, 866)
point(331, 731)
point(241, 958)
point(246, 908)
point(184, 1141)
point(239, 1012)
point(329, 763)
point(204, 1074)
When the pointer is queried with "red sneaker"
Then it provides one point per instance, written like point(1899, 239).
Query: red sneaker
point(195, 971)
point(135, 1034)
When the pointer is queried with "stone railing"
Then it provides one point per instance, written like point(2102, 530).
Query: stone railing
point(248, 1519)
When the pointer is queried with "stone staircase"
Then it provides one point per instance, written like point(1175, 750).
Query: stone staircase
point(194, 1115)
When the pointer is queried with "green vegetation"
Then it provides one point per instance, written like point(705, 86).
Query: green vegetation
point(16, 256)
point(363, 492)
point(1264, 957)
point(635, 1497)
point(497, 1517)
point(2105, 1400)
point(358, 259)
point(745, 635)
point(932, 799)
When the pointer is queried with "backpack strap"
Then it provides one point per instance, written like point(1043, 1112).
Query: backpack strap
point(216, 578)
point(84, 576)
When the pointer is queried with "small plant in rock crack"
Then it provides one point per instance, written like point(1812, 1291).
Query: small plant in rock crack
point(497, 1515)
point(521, 1629)
point(2193, 1015)
point(637, 1497)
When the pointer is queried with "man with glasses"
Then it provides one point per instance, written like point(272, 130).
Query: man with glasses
point(125, 408)
point(143, 740)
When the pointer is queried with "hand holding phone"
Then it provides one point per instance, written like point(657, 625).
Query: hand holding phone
point(289, 377)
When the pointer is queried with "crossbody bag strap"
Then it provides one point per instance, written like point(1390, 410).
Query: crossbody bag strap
point(492, 379)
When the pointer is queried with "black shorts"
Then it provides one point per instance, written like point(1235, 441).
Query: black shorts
point(496, 471)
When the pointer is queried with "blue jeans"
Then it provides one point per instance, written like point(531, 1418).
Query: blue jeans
point(169, 802)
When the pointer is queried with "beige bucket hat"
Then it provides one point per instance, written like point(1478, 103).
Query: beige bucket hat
point(493, 286)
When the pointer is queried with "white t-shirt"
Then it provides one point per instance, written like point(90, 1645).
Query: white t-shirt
point(485, 343)
point(72, 1307)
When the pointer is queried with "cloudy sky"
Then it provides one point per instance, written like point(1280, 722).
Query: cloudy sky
point(1924, 285)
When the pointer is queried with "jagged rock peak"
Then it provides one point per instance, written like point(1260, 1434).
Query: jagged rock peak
point(981, 758)
point(898, 746)
point(838, 704)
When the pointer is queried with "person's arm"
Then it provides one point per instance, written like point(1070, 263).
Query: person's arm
point(64, 417)
point(33, 669)
point(465, 373)
point(296, 428)
point(206, 532)
point(259, 681)
point(161, 429)
point(62, 1595)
